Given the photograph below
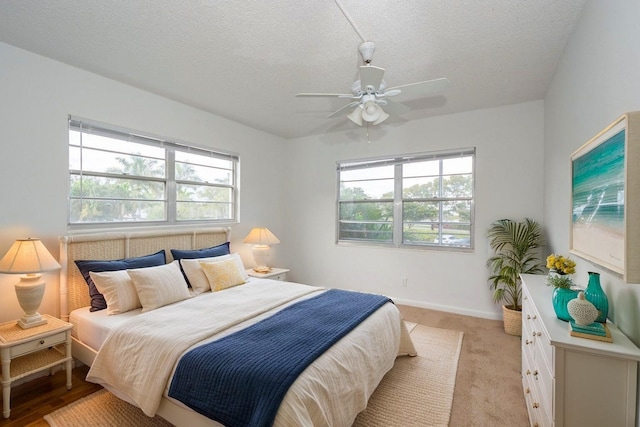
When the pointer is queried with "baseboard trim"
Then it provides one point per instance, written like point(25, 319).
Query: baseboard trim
point(449, 309)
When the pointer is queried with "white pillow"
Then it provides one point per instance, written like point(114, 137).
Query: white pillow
point(118, 290)
point(196, 276)
point(222, 274)
point(158, 286)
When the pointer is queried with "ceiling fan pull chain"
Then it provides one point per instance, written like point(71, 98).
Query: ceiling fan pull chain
point(346, 15)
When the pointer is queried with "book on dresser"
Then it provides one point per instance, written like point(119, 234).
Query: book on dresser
point(595, 331)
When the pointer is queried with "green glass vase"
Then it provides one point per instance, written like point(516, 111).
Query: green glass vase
point(596, 296)
point(561, 296)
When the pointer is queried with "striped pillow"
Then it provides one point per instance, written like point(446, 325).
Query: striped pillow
point(159, 286)
point(117, 289)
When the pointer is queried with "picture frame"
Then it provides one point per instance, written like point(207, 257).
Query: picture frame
point(605, 198)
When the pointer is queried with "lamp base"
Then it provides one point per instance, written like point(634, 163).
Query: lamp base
point(29, 291)
point(29, 321)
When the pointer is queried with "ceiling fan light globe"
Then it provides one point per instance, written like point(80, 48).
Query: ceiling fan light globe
point(383, 116)
point(356, 116)
point(371, 112)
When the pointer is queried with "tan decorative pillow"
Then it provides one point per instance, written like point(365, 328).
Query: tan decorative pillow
point(222, 275)
point(118, 290)
point(158, 286)
point(197, 278)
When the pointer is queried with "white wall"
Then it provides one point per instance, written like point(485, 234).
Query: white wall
point(597, 81)
point(36, 96)
point(509, 177)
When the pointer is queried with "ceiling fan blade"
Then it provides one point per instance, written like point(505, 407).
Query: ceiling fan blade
point(339, 95)
point(395, 108)
point(341, 109)
point(370, 76)
point(420, 89)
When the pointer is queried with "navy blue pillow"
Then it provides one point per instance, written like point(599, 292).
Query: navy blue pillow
point(85, 266)
point(219, 250)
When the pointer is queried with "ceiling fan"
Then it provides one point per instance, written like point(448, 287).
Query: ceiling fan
point(370, 93)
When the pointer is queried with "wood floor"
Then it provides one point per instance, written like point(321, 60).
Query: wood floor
point(33, 400)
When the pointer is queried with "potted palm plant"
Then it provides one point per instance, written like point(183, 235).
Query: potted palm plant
point(515, 245)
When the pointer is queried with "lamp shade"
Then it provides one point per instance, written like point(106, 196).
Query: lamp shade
point(27, 256)
point(261, 236)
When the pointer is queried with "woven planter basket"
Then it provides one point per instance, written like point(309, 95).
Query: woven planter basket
point(512, 321)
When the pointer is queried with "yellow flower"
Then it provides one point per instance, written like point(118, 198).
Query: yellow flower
point(562, 265)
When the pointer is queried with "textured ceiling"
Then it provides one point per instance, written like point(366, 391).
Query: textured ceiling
point(245, 60)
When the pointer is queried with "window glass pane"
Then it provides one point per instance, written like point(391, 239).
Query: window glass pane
point(428, 168)
point(375, 232)
point(457, 165)
point(203, 193)
point(459, 211)
point(198, 159)
point(421, 188)
point(361, 190)
point(96, 186)
point(105, 210)
point(122, 164)
point(192, 211)
point(195, 173)
point(114, 143)
point(366, 211)
point(421, 211)
point(457, 186)
point(367, 173)
point(419, 233)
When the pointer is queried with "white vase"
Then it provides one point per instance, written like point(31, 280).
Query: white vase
point(582, 311)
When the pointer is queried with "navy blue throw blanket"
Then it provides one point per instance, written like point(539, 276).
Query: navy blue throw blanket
point(241, 379)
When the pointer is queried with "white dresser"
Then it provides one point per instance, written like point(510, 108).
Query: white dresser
point(570, 381)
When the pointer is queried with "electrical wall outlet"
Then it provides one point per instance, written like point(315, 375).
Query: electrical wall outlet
point(404, 282)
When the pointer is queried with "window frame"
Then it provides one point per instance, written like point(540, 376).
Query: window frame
point(398, 200)
point(170, 147)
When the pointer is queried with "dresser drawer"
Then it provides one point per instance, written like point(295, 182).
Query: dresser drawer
point(35, 345)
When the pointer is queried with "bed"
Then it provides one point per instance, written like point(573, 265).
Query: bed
point(332, 390)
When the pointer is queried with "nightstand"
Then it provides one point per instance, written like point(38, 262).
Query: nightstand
point(27, 351)
point(274, 274)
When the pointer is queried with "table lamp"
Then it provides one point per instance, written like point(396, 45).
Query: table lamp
point(29, 257)
point(261, 238)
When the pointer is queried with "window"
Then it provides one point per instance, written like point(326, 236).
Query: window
point(423, 200)
point(118, 176)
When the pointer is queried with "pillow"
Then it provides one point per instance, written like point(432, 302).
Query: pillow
point(97, 266)
point(158, 286)
point(223, 274)
point(117, 289)
point(196, 277)
point(214, 251)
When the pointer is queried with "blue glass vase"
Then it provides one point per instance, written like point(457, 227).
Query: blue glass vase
point(596, 296)
point(561, 296)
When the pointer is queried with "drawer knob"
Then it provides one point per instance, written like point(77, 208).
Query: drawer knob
point(536, 405)
point(539, 334)
point(41, 342)
point(528, 390)
point(528, 342)
point(528, 372)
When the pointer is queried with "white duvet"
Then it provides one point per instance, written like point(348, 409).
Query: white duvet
point(138, 358)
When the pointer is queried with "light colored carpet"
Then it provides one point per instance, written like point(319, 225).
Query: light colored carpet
point(418, 391)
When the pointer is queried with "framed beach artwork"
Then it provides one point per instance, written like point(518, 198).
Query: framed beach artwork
point(605, 198)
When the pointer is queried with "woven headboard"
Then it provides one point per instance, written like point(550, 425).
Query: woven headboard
point(74, 292)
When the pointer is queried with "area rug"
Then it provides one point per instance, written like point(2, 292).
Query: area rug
point(418, 391)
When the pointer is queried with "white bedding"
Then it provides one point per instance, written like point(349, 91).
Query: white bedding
point(318, 397)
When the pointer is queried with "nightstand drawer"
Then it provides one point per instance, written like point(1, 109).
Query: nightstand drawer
point(36, 345)
point(281, 277)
